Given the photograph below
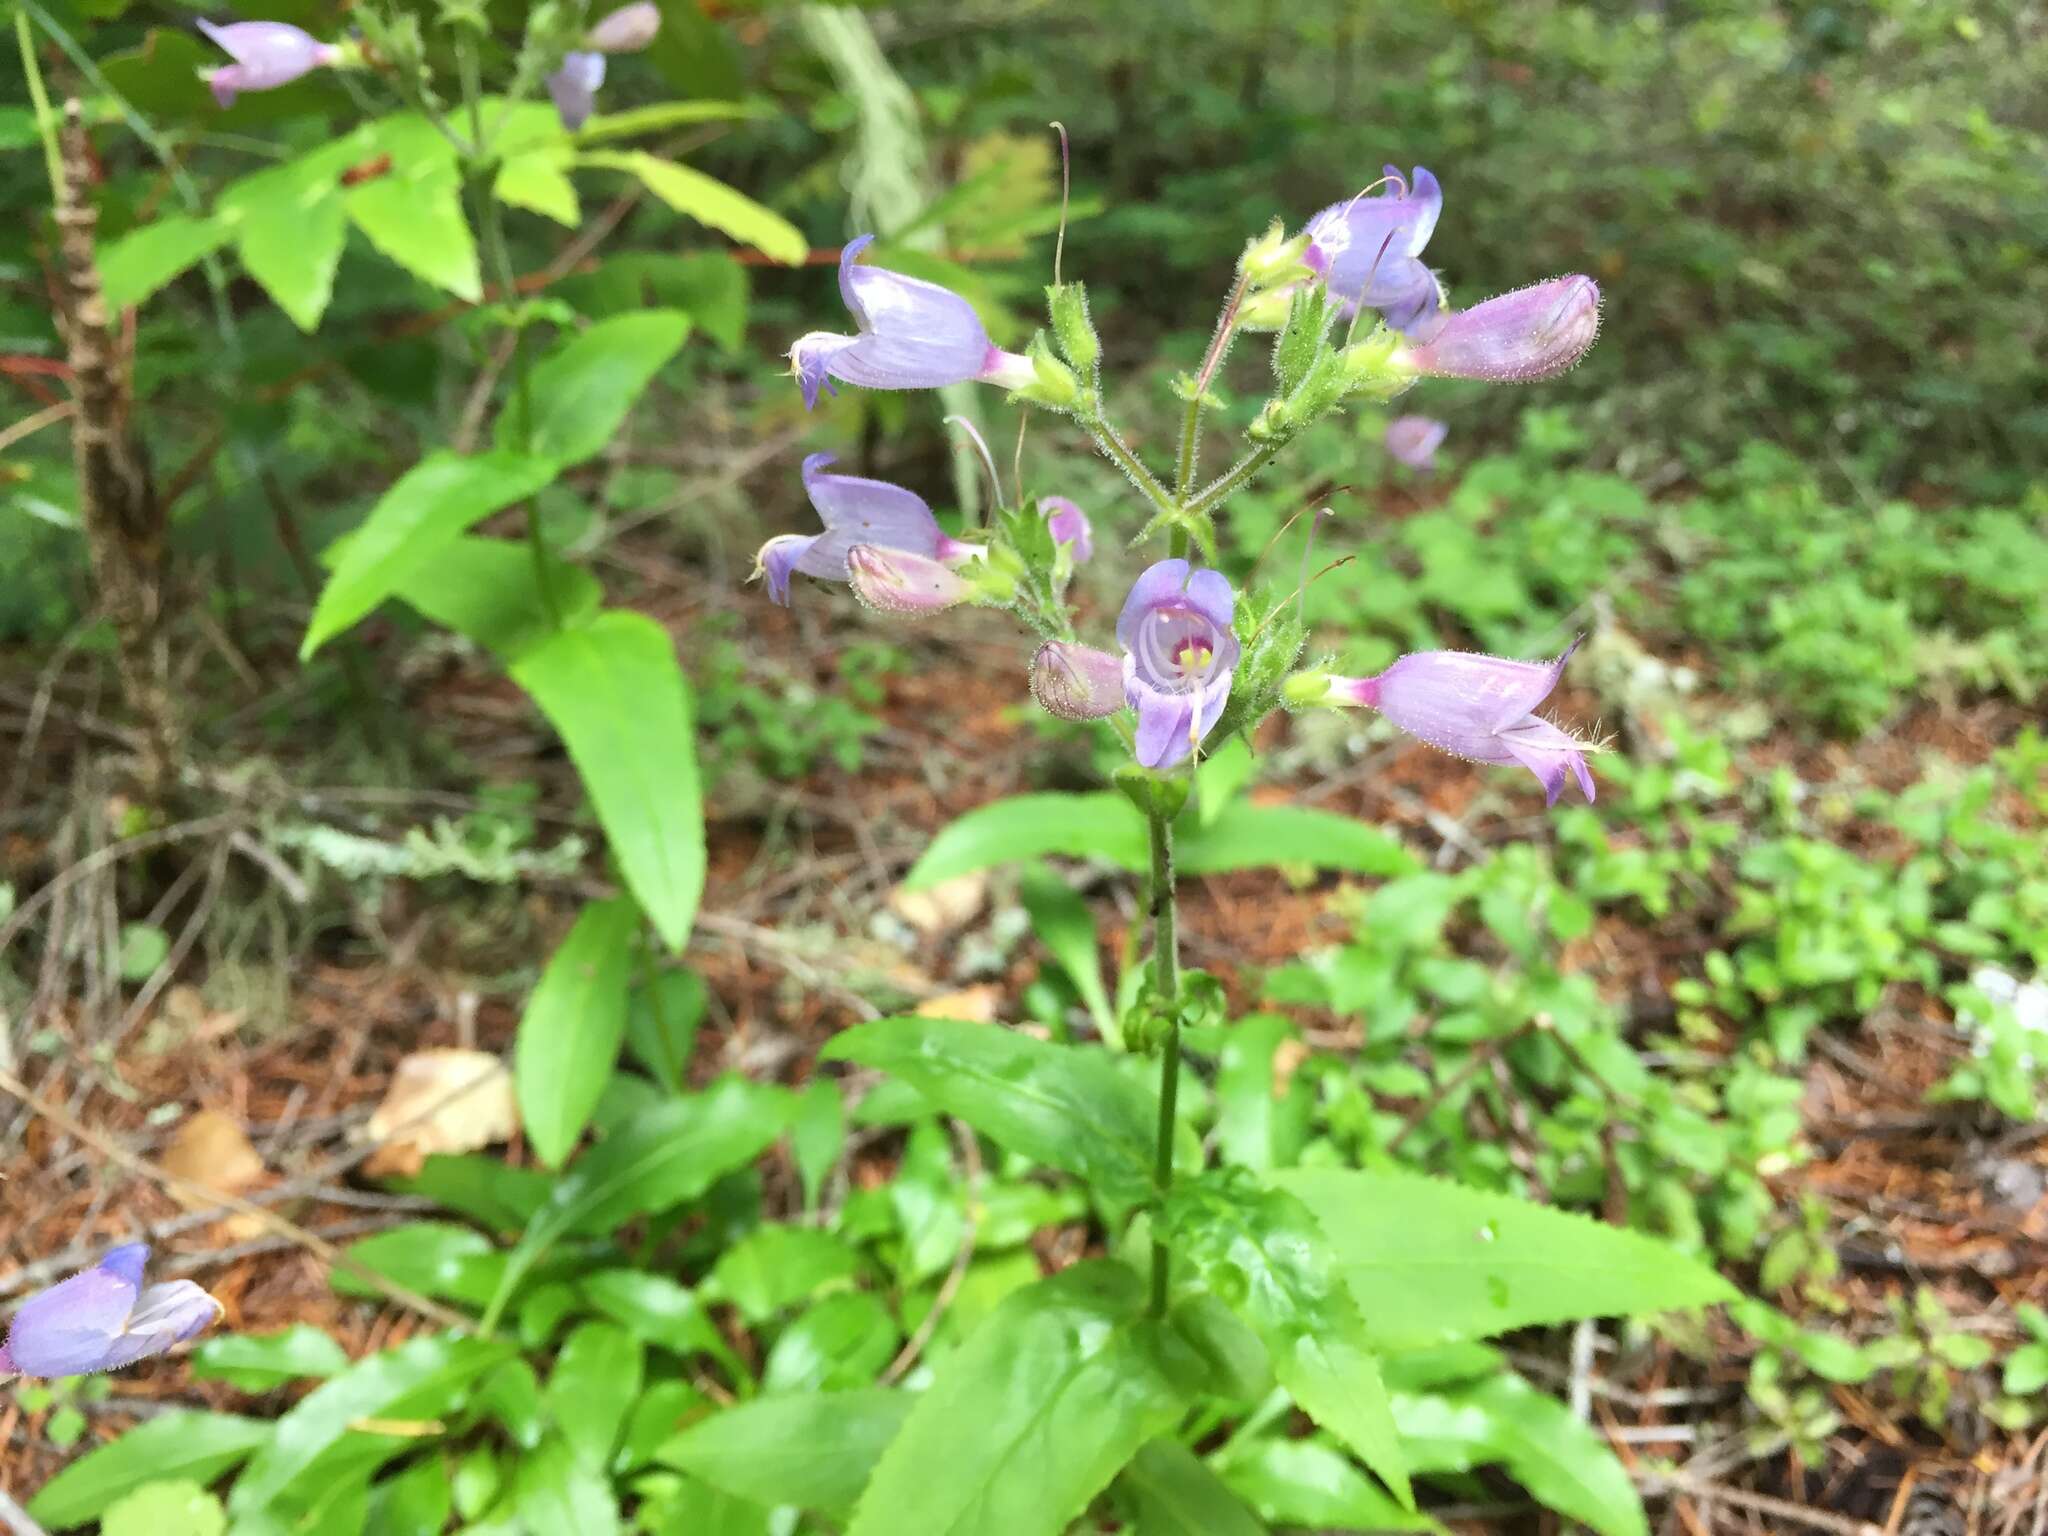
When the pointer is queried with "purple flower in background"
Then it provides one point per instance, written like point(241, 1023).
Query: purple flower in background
point(626, 30)
point(855, 512)
point(901, 581)
point(1368, 248)
point(1077, 682)
point(1533, 333)
point(267, 54)
point(574, 88)
point(1069, 526)
point(102, 1319)
point(913, 335)
point(1414, 440)
point(575, 85)
point(1477, 707)
point(1179, 653)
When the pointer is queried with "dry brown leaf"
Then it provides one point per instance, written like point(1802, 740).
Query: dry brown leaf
point(939, 909)
point(975, 1005)
point(440, 1101)
point(211, 1151)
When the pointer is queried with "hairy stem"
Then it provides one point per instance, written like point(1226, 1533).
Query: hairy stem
point(1191, 424)
point(1233, 477)
point(1115, 449)
point(1166, 979)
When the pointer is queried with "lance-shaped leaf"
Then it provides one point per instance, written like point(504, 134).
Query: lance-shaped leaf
point(583, 389)
point(1429, 1260)
point(143, 260)
point(1033, 1415)
point(569, 1035)
point(1066, 1106)
point(815, 1450)
point(615, 691)
point(1260, 1250)
point(710, 202)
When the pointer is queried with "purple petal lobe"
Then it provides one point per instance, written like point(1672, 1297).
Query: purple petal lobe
point(897, 581)
point(779, 558)
point(164, 1315)
point(1179, 654)
point(574, 88)
point(1414, 440)
point(811, 361)
point(1077, 682)
point(1368, 247)
point(626, 30)
point(71, 1328)
point(855, 510)
point(1477, 707)
point(1069, 525)
point(1533, 333)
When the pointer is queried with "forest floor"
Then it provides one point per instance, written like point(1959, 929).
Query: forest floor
point(799, 933)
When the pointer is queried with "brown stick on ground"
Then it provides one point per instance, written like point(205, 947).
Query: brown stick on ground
point(117, 501)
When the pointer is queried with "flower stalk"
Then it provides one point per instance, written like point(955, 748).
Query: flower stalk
point(1166, 980)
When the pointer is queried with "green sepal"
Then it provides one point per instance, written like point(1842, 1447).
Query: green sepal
point(1073, 329)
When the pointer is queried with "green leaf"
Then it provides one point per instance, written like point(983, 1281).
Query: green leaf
point(614, 690)
point(666, 114)
point(431, 504)
point(1306, 1483)
point(1431, 1261)
point(712, 287)
point(596, 1377)
point(1262, 1121)
point(143, 260)
point(1029, 1095)
point(557, 1493)
point(413, 213)
point(1260, 1250)
point(1061, 1385)
point(181, 1508)
point(672, 1153)
point(511, 1396)
point(817, 1135)
point(290, 227)
point(538, 182)
point(569, 1035)
point(256, 1362)
point(656, 1309)
point(485, 1189)
point(195, 1446)
point(1247, 836)
point(423, 1378)
point(1543, 1446)
point(711, 202)
point(1220, 776)
point(583, 389)
point(774, 1267)
point(485, 590)
point(1067, 928)
point(1100, 825)
point(846, 1340)
point(815, 1450)
point(436, 1258)
point(1177, 1495)
point(414, 1503)
point(661, 1025)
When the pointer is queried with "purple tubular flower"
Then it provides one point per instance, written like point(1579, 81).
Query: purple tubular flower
point(1477, 707)
point(1533, 333)
point(913, 335)
point(574, 88)
point(1368, 249)
point(103, 1318)
point(1069, 526)
point(626, 30)
point(1179, 654)
point(1077, 682)
point(898, 581)
point(855, 511)
point(267, 54)
point(1414, 440)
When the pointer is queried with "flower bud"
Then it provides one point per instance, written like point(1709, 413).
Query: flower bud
point(1533, 333)
point(897, 581)
point(1077, 682)
point(1072, 327)
point(1372, 368)
point(1274, 257)
point(626, 30)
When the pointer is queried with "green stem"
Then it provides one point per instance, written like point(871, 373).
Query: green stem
point(492, 221)
point(1166, 980)
point(46, 117)
point(1232, 478)
point(1118, 451)
point(1191, 424)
